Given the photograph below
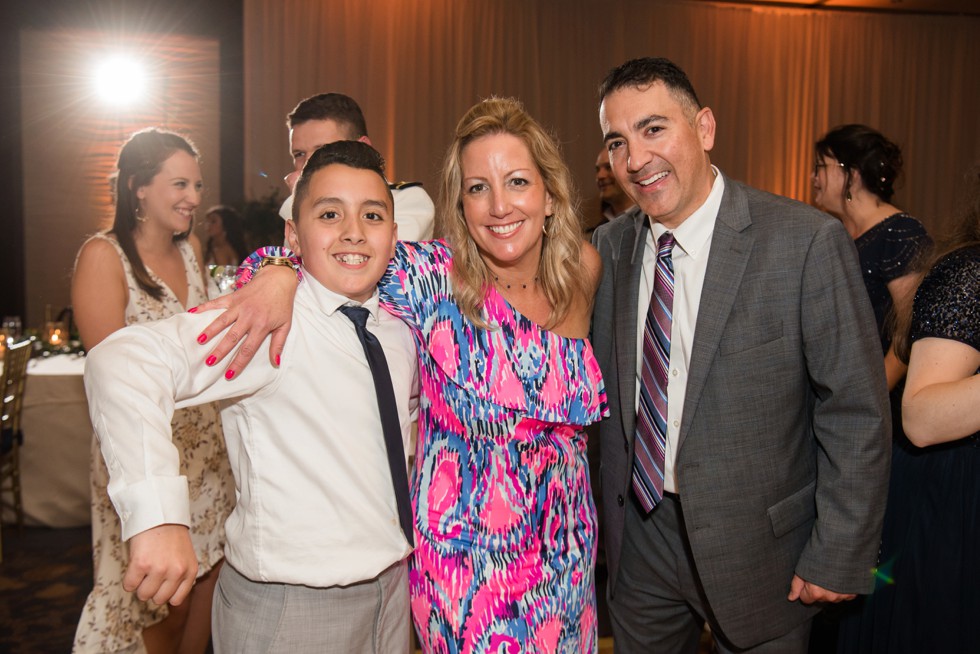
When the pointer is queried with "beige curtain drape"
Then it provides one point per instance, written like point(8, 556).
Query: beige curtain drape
point(776, 79)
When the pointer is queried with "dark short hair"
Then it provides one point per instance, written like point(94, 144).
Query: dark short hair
point(866, 151)
point(644, 72)
point(330, 106)
point(353, 154)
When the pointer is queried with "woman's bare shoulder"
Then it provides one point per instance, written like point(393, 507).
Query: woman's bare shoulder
point(99, 248)
point(592, 267)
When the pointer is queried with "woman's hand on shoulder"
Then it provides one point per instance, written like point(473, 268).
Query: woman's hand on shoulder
point(263, 307)
point(99, 292)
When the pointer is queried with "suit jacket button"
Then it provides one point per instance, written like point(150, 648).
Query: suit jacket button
point(619, 500)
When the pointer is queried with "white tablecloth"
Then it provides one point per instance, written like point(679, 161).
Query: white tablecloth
point(54, 460)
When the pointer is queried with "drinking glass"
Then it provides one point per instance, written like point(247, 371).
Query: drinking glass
point(223, 278)
point(12, 326)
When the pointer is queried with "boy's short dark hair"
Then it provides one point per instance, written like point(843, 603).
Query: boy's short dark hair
point(353, 154)
point(330, 106)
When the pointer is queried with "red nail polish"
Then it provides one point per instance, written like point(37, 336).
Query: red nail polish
point(278, 359)
point(192, 310)
point(211, 360)
point(229, 374)
point(202, 339)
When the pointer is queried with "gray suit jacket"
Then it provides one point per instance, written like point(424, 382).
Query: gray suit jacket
point(784, 451)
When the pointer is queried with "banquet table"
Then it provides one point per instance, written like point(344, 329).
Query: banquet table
point(54, 459)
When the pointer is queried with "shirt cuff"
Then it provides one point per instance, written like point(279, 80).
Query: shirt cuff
point(151, 503)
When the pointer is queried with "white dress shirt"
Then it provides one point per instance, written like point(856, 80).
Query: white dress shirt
point(315, 500)
point(414, 213)
point(692, 242)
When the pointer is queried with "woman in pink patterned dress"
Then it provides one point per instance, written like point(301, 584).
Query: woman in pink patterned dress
point(504, 519)
point(505, 523)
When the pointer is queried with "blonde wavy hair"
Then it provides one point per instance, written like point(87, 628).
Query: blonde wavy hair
point(559, 271)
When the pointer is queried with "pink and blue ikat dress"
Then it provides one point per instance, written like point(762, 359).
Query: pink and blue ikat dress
point(505, 525)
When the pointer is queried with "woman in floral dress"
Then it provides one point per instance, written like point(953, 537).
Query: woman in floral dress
point(146, 268)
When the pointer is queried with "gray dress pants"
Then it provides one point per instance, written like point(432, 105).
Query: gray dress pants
point(369, 617)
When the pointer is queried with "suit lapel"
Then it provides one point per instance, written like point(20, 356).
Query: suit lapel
point(627, 287)
point(731, 246)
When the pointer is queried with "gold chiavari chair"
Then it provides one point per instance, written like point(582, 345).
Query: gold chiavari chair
point(12, 382)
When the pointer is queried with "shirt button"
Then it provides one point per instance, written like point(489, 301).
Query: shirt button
point(674, 372)
point(677, 422)
point(619, 500)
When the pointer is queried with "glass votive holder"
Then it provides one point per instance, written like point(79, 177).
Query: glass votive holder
point(55, 333)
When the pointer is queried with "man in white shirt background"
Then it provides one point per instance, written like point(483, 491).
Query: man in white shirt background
point(316, 555)
point(328, 117)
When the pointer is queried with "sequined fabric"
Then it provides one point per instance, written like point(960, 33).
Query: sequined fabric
point(926, 596)
point(947, 304)
point(886, 252)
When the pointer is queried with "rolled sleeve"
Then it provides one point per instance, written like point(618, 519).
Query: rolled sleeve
point(134, 380)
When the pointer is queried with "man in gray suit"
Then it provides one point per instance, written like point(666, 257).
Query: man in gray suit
point(763, 433)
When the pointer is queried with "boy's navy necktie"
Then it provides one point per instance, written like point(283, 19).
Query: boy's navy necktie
point(389, 416)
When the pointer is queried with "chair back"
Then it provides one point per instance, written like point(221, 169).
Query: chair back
point(12, 389)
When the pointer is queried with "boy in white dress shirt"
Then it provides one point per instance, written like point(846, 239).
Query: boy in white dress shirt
point(315, 554)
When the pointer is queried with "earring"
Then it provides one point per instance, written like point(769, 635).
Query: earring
point(848, 196)
point(140, 218)
point(544, 225)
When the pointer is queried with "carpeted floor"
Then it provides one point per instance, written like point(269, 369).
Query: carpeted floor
point(45, 576)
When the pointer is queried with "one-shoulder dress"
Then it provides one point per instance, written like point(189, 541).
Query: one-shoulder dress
point(505, 524)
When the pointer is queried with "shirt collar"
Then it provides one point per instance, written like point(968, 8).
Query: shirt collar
point(327, 301)
point(694, 234)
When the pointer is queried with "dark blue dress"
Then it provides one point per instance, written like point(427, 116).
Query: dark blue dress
point(886, 252)
point(927, 592)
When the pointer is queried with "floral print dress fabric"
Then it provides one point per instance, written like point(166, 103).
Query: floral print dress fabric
point(504, 518)
point(113, 619)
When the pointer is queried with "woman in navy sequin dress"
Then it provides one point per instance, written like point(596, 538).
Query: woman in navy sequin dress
point(854, 174)
point(927, 594)
point(854, 177)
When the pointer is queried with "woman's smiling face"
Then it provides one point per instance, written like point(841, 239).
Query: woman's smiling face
point(505, 201)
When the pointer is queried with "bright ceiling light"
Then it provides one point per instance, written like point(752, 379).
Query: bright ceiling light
point(120, 80)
